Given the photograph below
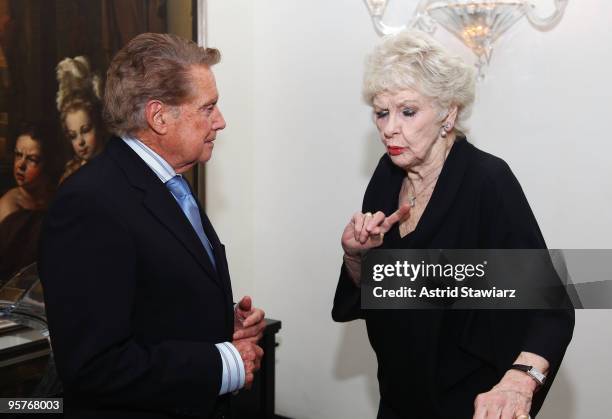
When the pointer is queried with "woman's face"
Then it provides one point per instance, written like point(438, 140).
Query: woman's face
point(81, 132)
point(409, 124)
point(27, 166)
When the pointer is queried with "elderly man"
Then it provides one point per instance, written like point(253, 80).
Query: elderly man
point(136, 282)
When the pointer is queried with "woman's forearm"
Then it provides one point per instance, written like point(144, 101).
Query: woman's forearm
point(353, 267)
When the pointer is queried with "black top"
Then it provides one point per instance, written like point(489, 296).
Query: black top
point(433, 363)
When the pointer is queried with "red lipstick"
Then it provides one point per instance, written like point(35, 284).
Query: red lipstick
point(395, 151)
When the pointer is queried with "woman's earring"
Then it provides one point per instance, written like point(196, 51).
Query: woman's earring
point(445, 129)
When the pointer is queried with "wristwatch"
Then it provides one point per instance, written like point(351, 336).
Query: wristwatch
point(533, 372)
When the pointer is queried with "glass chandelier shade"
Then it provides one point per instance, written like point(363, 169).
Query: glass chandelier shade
point(477, 23)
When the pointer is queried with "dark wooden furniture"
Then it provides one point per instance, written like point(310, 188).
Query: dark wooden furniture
point(24, 355)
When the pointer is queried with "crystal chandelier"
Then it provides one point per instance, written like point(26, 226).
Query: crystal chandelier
point(477, 23)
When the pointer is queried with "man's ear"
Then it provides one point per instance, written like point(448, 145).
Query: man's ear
point(157, 114)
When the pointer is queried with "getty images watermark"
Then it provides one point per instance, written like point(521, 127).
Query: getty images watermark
point(486, 279)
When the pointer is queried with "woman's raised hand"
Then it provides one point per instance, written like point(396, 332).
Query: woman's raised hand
point(366, 231)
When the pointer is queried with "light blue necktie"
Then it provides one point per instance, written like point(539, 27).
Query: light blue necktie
point(179, 188)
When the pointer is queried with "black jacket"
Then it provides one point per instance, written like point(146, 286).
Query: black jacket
point(432, 364)
point(133, 302)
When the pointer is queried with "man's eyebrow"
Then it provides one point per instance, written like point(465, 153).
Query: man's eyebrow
point(213, 101)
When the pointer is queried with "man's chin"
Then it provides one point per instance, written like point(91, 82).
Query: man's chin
point(205, 156)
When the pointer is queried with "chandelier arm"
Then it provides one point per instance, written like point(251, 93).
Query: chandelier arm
point(545, 23)
point(421, 18)
point(376, 7)
point(384, 29)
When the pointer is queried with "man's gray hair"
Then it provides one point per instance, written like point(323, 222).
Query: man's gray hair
point(152, 66)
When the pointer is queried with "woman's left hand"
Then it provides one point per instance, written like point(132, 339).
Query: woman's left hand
point(509, 399)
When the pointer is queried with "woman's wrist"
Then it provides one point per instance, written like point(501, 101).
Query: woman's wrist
point(518, 381)
point(353, 267)
point(356, 257)
point(534, 360)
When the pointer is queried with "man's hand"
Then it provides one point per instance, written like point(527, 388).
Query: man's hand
point(249, 322)
point(251, 355)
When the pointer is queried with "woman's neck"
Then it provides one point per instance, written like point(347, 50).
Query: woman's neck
point(430, 168)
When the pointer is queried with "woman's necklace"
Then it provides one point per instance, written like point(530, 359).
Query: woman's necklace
point(412, 196)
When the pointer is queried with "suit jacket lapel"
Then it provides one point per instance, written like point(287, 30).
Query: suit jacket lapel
point(160, 202)
point(221, 261)
point(218, 251)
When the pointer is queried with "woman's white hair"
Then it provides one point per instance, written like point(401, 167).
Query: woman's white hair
point(411, 59)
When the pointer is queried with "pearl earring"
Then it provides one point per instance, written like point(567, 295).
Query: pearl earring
point(445, 129)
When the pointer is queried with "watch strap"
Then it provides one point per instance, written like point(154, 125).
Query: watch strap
point(533, 372)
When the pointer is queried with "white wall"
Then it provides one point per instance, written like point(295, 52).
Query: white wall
point(292, 165)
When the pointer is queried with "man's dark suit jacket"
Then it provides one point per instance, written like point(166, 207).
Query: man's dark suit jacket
point(134, 304)
point(431, 363)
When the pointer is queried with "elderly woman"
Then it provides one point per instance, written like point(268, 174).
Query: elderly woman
point(433, 189)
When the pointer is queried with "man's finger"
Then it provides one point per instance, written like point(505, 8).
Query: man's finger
point(248, 355)
point(249, 332)
point(255, 317)
point(395, 217)
point(249, 381)
point(251, 339)
point(245, 303)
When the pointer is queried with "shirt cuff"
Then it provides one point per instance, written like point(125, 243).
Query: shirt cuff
point(233, 376)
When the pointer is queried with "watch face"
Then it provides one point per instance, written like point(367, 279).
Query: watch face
point(537, 375)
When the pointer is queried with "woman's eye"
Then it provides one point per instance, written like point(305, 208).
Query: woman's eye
point(86, 129)
point(409, 112)
point(381, 114)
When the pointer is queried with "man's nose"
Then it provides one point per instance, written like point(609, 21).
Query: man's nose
point(219, 121)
